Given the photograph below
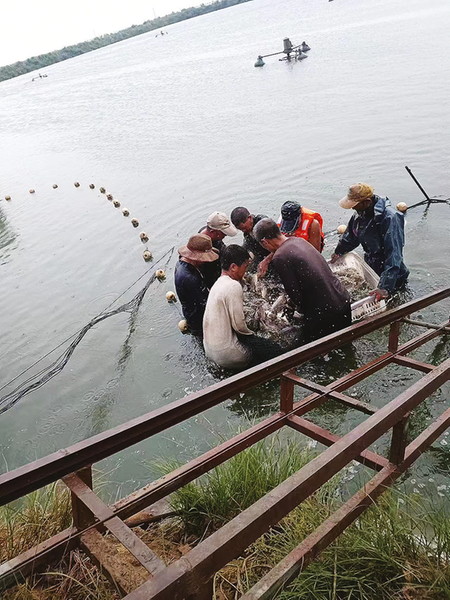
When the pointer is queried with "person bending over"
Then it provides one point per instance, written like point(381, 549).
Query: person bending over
point(243, 220)
point(226, 338)
point(299, 221)
point(380, 229)
point(218, 226)
point(189, 282)
point(313, 289)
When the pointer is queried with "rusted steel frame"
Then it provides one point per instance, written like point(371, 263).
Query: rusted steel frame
point(399, 441)
point(299, 558)
point(369, 459)
point(122, 532)
point(161, 488)
point(394, 332)
point(150, 493)
point(306, 551)
point(286, 394)
point(187, 473)
point(96, 547)
point(82, 515)
point(187, 574)
point(425, 324)
point(405, 361)
point(365, 371)
point(35, 475)
point(183, 475)
point(52, 549)
point(321, 389)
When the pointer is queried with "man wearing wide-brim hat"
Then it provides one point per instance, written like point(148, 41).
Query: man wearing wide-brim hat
point(189, 282)
point(379, 228)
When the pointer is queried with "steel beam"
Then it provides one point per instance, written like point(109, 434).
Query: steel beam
point(369, 459)
point(297, 560)
point(405, 361)
point(28, 478)
point(329, 393)
point(187, 574)
point(121, 532)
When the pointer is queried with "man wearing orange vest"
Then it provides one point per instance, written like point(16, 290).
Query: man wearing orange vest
point(298, 221)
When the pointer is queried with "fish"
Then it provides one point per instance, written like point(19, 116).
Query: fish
point(268, 311)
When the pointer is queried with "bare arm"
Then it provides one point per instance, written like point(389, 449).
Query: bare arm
point(314, 237)
point(264, 265)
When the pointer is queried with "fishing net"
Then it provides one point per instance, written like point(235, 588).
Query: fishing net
point(39, 379)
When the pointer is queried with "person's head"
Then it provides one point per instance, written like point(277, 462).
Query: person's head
point(198, 250)
point(234, 260)
point(266, 232)
point(359, 197)
point(291, 212)
point(219, 226)
point(242, 219)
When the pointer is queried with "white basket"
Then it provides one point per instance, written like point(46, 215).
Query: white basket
point(367, 306)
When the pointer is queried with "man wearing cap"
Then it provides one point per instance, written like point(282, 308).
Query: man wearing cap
point(301, 222)
point(217, 227)
point(243, 220)
point(227, 339)
point(298, 221)
point(189, 281)
point(308, 280)
point(379, 228)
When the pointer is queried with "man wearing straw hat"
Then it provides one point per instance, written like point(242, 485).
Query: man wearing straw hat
point(379, 228)
point(189, 282)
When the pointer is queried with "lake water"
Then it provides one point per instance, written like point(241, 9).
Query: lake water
point(176, 127)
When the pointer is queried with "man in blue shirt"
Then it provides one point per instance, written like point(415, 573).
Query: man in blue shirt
point(189, 282)
point(379, 228)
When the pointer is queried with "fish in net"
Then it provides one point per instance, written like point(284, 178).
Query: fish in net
point(354, 282)
point(268, 311)
point(39, 379)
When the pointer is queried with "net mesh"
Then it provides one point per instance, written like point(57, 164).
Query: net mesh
point(40, 378)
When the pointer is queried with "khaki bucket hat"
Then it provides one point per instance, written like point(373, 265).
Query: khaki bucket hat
point(199, 247)
point(357, 193)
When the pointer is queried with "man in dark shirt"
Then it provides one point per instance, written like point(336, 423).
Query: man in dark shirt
point(315, 291)
point(189, 282)
point(379, 227)
point(243, 220)
point(218, 226)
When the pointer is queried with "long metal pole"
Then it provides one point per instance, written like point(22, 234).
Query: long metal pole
point(418, 184)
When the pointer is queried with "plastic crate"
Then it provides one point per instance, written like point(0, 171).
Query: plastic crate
point(366, 306)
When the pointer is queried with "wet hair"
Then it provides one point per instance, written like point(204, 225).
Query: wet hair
point(266, 229)
point(239, 215)
point(233, 254)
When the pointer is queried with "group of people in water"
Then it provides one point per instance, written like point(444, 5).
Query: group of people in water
point(209, 274)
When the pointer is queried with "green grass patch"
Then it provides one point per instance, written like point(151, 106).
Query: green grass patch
point(34, 519)
point(215, 498)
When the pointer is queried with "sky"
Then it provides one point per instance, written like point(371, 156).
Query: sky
point(30, 27)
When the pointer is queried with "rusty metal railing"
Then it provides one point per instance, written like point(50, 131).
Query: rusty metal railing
point(191, 576)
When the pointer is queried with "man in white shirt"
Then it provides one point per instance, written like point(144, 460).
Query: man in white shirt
point(226, 337)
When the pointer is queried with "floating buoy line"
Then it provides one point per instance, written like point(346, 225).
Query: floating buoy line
point(147, 255)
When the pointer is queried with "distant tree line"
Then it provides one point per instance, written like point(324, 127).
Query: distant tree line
point(43, 60)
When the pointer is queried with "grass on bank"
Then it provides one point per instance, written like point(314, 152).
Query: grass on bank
point(397, 550)
point(39, 516)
